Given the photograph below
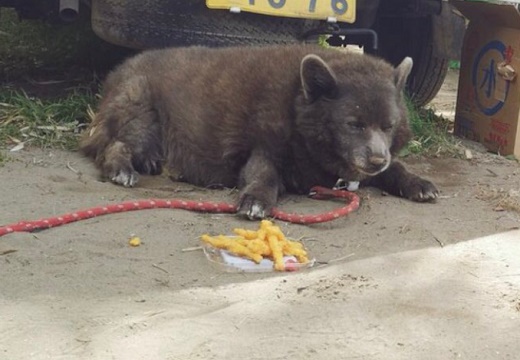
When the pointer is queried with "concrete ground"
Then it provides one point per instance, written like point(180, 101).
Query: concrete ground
point(461, 301)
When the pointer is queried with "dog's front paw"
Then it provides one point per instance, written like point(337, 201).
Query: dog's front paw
point(420, 190)
point(125, 178)
point(252, 208)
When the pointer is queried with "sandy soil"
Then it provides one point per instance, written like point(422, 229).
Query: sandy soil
point(91, 260)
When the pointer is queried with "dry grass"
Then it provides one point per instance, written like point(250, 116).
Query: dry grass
point(502, 199)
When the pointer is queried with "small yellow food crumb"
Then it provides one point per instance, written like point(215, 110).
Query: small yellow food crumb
point(134, 241)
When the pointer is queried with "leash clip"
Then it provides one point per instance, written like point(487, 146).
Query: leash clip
point(342, 184)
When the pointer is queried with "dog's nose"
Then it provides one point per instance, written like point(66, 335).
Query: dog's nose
point(378, 160)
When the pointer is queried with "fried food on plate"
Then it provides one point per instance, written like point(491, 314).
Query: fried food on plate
point(267, 242)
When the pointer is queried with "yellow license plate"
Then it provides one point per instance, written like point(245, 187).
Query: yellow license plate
point(341, 10)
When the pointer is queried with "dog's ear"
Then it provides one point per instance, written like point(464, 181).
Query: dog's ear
point(401, 72)
point(317, 78)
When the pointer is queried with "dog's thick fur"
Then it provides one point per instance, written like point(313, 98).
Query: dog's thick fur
point(266, 119)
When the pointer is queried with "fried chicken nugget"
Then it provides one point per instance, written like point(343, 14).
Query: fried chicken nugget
point(259, 246)
point(277, 252)
point(246, 234)
point(292, 248)
point(233, 246)
point(262, 235)
point(265, 224)
point(276, 231)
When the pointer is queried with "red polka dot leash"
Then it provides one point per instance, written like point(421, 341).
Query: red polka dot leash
point(317, 192)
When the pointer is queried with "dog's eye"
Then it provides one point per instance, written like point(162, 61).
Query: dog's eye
point(386, 127)
point(357, 125)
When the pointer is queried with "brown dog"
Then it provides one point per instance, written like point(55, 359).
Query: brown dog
point(265, 119)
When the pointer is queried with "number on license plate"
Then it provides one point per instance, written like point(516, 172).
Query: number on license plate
point(339, 7)
point(342, 10)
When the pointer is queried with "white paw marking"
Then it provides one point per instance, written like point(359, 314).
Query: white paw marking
point(256, 212)
point(430, 195)
point(126, 179)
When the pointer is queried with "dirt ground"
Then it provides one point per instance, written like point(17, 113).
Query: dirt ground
point(90, 262)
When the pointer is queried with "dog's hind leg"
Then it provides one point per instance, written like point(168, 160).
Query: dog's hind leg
point(125, 138)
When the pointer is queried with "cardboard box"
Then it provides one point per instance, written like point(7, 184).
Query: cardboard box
point(488, 99)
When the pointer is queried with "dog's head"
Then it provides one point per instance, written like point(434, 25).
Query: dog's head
point(352, 113)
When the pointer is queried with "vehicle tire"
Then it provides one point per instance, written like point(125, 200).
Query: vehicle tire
point(153, 24)
point(413, 37)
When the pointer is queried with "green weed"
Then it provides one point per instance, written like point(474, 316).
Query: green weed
point(454, 64)
point(432, 134)
point(25, 120)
